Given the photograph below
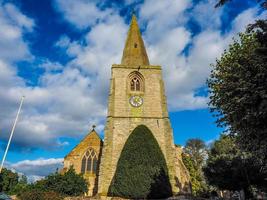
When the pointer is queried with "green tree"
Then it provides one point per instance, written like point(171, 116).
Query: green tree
point(194, 155)
point(228, 168)
point(23, 179)
point(222, 2)
point(141, 170)
point(197, 151)
point(238, 87)
point(20, 186)
point(68, 184)
point(8, 180)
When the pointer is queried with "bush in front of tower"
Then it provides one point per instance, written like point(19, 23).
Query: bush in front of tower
point(55, 187)
point(141, 170)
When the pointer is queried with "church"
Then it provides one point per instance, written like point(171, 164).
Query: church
point(137, 112)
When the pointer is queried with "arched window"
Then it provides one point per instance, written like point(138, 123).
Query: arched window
point(135, 84)
point(89, 162)
point(136, 81)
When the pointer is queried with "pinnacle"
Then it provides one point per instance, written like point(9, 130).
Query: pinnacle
point(134, 52)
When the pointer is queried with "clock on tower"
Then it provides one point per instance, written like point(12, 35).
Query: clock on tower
point(136, 100)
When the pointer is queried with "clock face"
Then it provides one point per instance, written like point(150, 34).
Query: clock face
point(136, 101)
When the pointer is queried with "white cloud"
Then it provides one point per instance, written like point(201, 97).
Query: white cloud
point(13, 24)
point(166, 38)
point(50, 66)
point(104, 45)
point(17, 17)
point(81, 13)
point(36, 169)
point(247, 17)
point(185, 73)
point(162, 16)
point(62, 104)
point(69, 99)
point(206, 15)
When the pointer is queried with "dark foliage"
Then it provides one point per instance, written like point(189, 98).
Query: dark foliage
point(20, 186)
point(197, 150)
point(221, 3)
point(40, 195)
point(263, 3)
point(68, 184)
point(141, 170)
point(228, 168)
point(238, 86)
point(58, 185)
point(8, 180)
point(194, 155)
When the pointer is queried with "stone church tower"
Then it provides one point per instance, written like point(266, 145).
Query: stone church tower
point(136, 98)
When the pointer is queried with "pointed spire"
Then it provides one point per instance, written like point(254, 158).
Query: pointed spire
point(134, 52)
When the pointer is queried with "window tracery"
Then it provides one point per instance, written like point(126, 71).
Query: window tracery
point(136, 82)
point(89, 162)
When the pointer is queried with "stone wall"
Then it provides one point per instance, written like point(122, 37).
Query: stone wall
point(183, 177)
point(74, 158)
point(124, 118)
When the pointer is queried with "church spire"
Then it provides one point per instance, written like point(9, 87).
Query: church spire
point(134, 52)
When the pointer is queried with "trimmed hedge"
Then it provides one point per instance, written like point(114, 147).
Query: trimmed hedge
point(40, 195)
point(141, 170)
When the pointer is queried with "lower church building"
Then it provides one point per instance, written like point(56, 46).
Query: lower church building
point(138, 158)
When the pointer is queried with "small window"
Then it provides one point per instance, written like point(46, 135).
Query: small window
point(89, 162)
point(132, 85)
point(136, 81)
point(135, 45)
point(135, 84)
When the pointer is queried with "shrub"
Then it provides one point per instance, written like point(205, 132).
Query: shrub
point(55, 186)
point(8, 180)
point(68, 184)
point(141, 170)
point(39, 195)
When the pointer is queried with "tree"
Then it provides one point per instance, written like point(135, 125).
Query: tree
point(238, 88)
point(68, 184)
point(197, 151)
point(20, 186)
point(56, 185)
point(8, 180)
point(228, 168)
point(222, 2)
point(141, 170)
point(23, 179)
point(194, 154)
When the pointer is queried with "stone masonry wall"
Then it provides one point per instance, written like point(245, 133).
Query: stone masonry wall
point(124, 118)
point(74, 158)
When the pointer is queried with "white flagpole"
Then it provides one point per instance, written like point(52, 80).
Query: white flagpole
point(11, 135)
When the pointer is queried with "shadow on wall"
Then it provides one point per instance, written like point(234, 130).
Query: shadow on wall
point(97, 171)
point(161, 186)
point(185, 189)
point(141, 170)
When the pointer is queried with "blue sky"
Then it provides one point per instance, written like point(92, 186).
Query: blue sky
point(58, 53)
